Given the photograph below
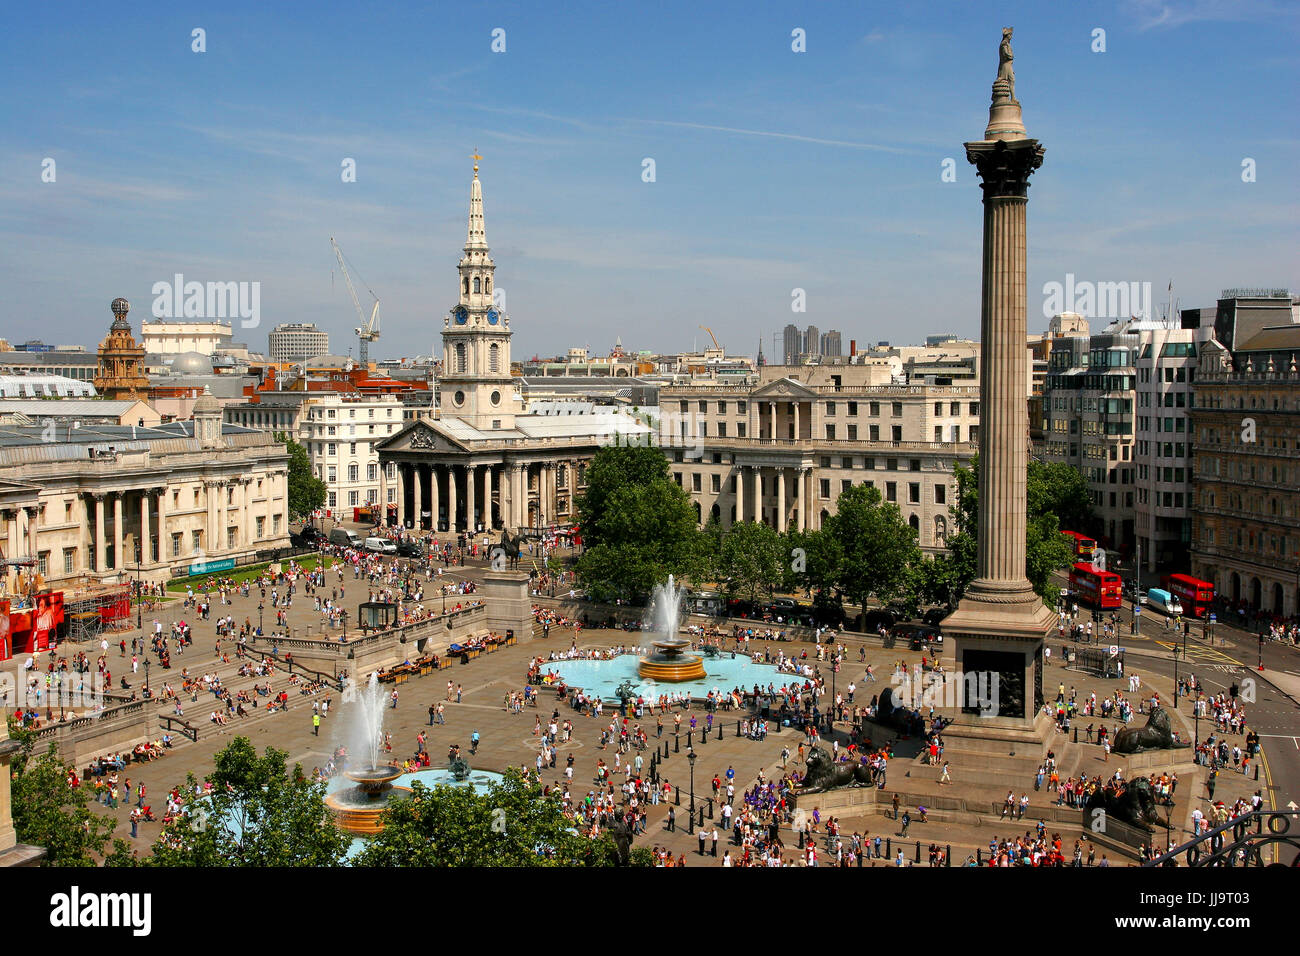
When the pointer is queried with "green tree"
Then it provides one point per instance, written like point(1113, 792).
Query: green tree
point(511, 824)
point(259, 814)
point(306, 491)
point(1056, 497)
point(752, 560)
point(49, 812)
point(638, 525)
point(877, 549)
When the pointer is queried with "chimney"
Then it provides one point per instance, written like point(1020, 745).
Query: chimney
point(853, 347)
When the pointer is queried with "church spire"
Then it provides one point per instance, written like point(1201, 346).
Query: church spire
point(477, 234)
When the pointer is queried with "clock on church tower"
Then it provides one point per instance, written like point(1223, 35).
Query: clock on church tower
point(476, 383)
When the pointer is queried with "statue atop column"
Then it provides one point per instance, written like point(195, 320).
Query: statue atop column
point(1004, 87)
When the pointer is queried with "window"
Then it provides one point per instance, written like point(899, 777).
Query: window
point(875, 409)
point(875, 432)
point(914, 464)
point(940, 494)
point(853, 408)
point(891, 464)
point(824, 487)
point(332, 474)
point(352, 449)
point(43, 563)
point(846, 462)
point(494, 358)
point(897, 431)
point(332, 449)
point(462, 361)
point(372, 472)
point(354, 472)
point(853, 433)
point(830, 408)
point(830, 432)
point(938, 433)
point(231, 535)
point(740, 429)
point(845, 485)
point(176, 544)
point(897, 411)
point(914, 492)
point(891, 491)
point(695, 481)
point(354, 498)
point(261, 527)
point(722, 429)
point(69, 560)
point(722, 408)
point(196, 540)
point(275, 522)
point(704, 406)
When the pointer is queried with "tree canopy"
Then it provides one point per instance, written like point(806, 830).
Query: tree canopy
point(48, 812)
point(638, 525)
point(259, 814)
point(512, 824)
point(306, 491)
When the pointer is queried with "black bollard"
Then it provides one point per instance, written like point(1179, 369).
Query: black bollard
point(947, 856)
point(1256, 771)
point(710, 808)
point(889, 848)
point(690, 739)
point(737, 728)
point(719, 730)
point(1076, 735)
point(678, 791)
point(918, 852)
point(701, 817)
point(704, 737)
point(677, 744)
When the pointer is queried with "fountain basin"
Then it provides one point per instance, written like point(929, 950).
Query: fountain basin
point(669, 662)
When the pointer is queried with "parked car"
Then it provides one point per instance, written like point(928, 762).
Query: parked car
point(409, 549)
point(879, 617)
point(311, 533)
point(935, 616)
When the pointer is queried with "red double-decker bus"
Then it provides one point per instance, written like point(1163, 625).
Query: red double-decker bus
point(1084, 546)
point(1196, 596)
point(1100, 589)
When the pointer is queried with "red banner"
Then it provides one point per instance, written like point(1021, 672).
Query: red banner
point(6, 648)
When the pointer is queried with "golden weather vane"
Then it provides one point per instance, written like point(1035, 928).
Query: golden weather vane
point(476, 157)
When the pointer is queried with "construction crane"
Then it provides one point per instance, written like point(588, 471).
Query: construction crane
point(368, 330)
point(712, 336)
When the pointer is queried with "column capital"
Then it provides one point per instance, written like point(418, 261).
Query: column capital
point(1005, 166)
point(99, 496)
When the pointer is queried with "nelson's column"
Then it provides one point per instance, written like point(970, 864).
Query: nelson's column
point(1000, 624)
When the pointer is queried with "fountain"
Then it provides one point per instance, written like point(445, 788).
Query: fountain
point(357, 808)
point(669, 662)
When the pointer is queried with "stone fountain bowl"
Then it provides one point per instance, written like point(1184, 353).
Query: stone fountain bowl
point(374, 780)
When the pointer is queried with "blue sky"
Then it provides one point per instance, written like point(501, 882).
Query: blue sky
point(775, 170)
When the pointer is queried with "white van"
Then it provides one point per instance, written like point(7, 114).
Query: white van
point(380, 546)
point(1165, 602)
point(345, 538)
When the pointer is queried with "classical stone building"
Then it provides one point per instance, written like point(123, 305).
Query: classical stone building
point(782, 451)
point(486, 461)
point(121, 361)
point(108, 503)
point(1246, 438)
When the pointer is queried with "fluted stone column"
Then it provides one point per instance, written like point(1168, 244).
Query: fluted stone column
point(780, 500)
point(801, 501)
point(452, 525)
point(100, 537)
point(146, 539)
point(1000, 624)
point(471, 498)
point(758, 494)
point(118, 563)
point(434, 494)
point(487, 497)
point(164, 542)
point(740, 493)
point(418, 472)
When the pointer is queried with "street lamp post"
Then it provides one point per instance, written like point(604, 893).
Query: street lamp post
point(260, 605)
point(690, 758)
point(146, 677)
